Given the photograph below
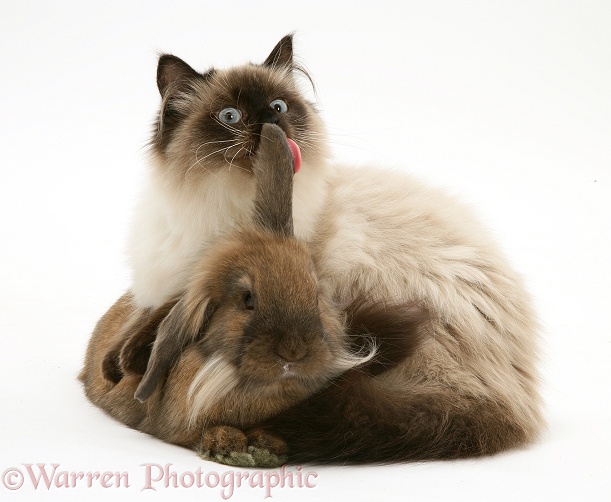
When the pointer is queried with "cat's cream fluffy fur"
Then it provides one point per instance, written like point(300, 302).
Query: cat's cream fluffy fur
point(391, 237)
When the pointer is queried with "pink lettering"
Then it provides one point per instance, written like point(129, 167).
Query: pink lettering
point(47, 480)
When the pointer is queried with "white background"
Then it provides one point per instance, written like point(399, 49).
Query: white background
point(506, 103)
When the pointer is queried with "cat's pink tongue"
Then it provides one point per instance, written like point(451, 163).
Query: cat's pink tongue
point(296, 155)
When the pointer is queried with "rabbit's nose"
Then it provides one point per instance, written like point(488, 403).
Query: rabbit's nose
point(292, 349)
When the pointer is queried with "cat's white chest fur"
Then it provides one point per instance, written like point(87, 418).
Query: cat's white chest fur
point(173, 225)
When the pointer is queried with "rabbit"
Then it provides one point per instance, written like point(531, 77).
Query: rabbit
point(252, 335)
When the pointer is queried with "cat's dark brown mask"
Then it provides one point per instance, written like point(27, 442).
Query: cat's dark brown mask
point(213, 120)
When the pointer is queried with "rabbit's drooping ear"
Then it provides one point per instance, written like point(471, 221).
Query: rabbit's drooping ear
point(180, 328)
point(273, 170)
point(136, 325)
point(136, 351)
point(132, 349)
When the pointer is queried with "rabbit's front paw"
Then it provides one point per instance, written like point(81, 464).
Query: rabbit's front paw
point(225, 445)
point(230, 446)
point(267, 449)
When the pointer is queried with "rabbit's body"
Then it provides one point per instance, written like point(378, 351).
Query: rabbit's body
point(168, 414)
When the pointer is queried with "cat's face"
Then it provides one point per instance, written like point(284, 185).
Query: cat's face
point(212, 121)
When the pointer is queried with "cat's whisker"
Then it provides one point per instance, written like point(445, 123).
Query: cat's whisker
point(234, 130)
point(225, 148)
point(206, 169)
point(238, 99)
point(233, 158)
point(233, 141)
point(199, 161)
point(216, 142)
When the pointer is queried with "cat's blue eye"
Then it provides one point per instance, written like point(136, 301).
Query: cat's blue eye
point(230, 115)
point(279, 105)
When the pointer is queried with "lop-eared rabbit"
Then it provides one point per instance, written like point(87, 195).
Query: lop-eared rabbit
point(253, 335)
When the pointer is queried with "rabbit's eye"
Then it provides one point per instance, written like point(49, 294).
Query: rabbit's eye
point(249, 301)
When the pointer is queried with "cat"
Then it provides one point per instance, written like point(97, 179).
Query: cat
point(200, 182)
point(471, 387)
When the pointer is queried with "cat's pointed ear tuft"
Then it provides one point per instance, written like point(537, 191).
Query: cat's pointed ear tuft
point(173, 72)
point(282, 55)
point(177, 82)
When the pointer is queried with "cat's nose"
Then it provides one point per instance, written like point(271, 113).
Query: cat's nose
point(269, 117)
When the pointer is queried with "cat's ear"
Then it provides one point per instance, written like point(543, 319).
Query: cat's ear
point(174, 74)
point(282, 55)
point(176, 81)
